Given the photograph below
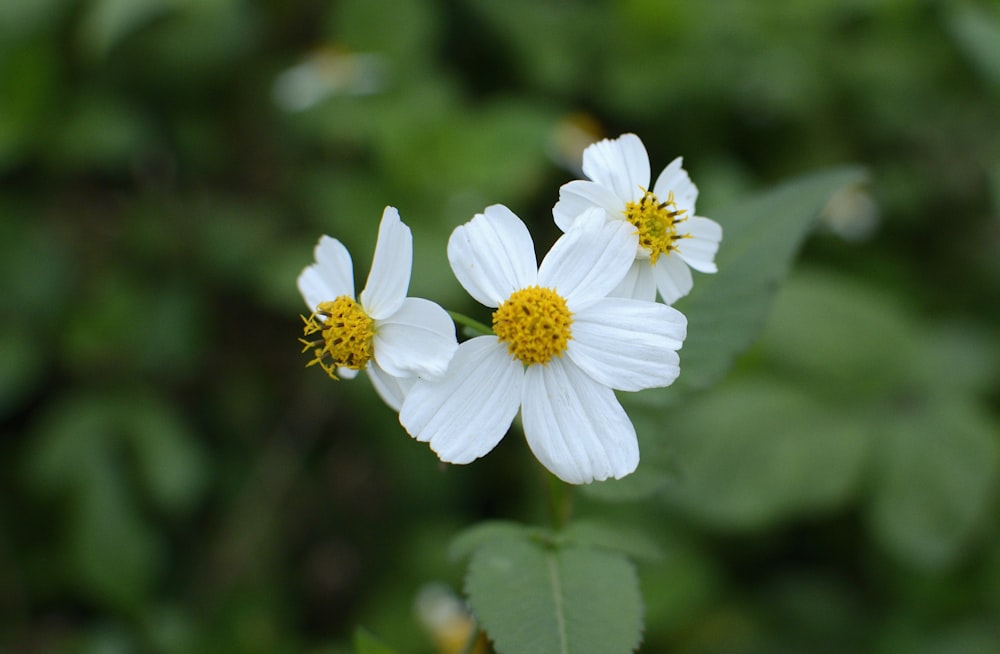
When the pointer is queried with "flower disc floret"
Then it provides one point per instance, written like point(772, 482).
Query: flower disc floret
point(535, 323)
point(657, 223)
point(347, 336)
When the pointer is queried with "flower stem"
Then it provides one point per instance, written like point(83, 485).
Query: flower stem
point(472, 327)
point(560, 501)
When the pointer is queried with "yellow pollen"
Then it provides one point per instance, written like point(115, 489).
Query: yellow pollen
point(657, 223)
point(346, 336)
point(535, 323)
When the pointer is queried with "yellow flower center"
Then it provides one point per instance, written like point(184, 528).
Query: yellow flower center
point(657, 223)
point(535, 323)
point(346, 336)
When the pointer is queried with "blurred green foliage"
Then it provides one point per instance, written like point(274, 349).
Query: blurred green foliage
point(175, 481)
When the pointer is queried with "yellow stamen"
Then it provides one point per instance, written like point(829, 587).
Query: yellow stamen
point(657, 223)
point(535, 323)
point(346, 336)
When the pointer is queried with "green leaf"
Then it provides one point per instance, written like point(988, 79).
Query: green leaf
point(170, 462)
point(612, 537)
point(532, 599)
point(109, 21)
point(366, 643)
point(115, 553)
point(977, 32)
point(753, 452)
point(21, 367)
point(816, 316)
point(726, 310)
point(469, 540)
point(935, 480)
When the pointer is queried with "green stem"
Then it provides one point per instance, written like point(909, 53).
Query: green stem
point(473, 327)
point(560, 501)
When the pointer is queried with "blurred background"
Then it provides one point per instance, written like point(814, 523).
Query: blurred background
point(174, 480)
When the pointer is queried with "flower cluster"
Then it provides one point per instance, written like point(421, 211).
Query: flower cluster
point(566, 334)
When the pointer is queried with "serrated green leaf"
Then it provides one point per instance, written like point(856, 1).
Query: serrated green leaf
point(469, 540)
point(366, 643)
point(726, 310)
point(532, 599)
point(935, 480)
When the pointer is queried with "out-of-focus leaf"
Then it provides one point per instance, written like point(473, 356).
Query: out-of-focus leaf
point(841, 335)
point(751, 453)
point(404, 29)
point(726, 310)
point(646, 481)
point(111, 638)
point(36, 266)
point(21, 19)
point(109, 21)
point(70, 435)
point(171, 466)
point(82, 459)
point(469, 540)
point(678, 588)
point(934, 479)
point(555, 63)
point(970, 635)
point(134, 324)
point(657, 466)
point(21, 366)
point(116, 554)
point(976, 29)
point(435, 156)
point(100, 132)
point(612, 537)
point(533, 599)
point(29, 81)
point(366, 643)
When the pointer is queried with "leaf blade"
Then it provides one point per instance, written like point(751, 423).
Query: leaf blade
point(569, 600)
point(726, 311)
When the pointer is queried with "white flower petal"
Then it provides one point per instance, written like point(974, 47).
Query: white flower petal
point(391, 264)
point(346, 373)
point(391, 389)
point(639, 282)
point(673, 278)
point(586, 264)
point(492, 255)
point(418, 339)
point(674, 179)
point(620, 164)
point(579, 195)
point(466, 413)
point(330, 277)
point(699, 250)
point(575, 426)
point(628, 344)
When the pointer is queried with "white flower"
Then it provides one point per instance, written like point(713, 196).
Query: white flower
point(393, 337)
point(560, 347)
point(668, 236)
